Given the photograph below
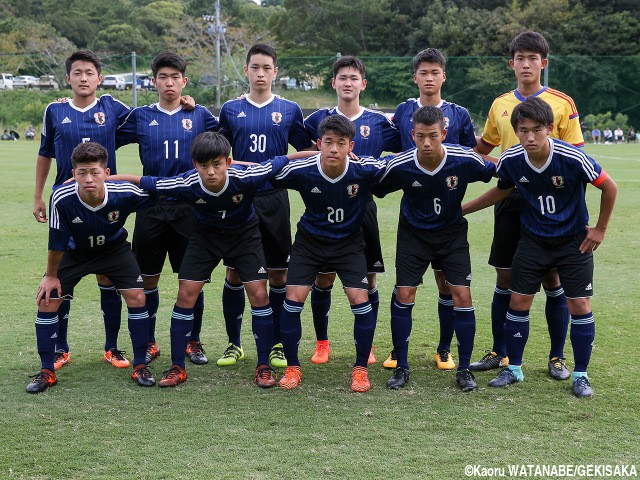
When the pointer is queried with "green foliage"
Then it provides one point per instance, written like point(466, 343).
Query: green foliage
point(607, 120)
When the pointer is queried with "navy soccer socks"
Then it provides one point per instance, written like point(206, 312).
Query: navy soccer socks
point(364, 327)
point(232, 309)
point(401, 323)
point(111, 305)
point(138, 323)
point(262, 326)
point(277, 294)
point(320, 305)
point(46, 335)
point(446, 317)
point(181, 323)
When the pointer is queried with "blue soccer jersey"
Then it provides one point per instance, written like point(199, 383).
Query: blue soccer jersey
point(334, 207)
point(165, 137)
point(432, 199)
point(457, 122)
point(375, 133)
point(258, 132)
point(65, 126)
point(553, 196)
point(75, 225)
point(230, 208)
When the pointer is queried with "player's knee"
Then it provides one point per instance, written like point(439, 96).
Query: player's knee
point(372, 281)
point(257, 293)
point(503, 277)
point(188, 294)
point(150, 281)
point(579, 306)
point(406, 295)
point(277, 277)
point(461, 297)
point(520, 302)
point(134, 298)
point(325, 280)
point(232, 276)
point(357, 296)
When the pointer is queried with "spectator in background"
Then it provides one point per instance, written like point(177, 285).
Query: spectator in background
point(6, 135)
point(608, 136)
point(595, 135)
point(30, 134)
point(619, 135)
point(632, 135)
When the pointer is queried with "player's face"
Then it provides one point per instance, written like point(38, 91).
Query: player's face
point(169, 82)
point(84, 78)
point(260, 72)
point(348, 84)
point(534, 137)
point(527, 67)
point(90, 178)
point(428, 140)
point(214, 173)
point(334, 150)
point(429, 77)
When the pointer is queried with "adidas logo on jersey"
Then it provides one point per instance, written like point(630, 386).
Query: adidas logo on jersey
point(505, 114)
point(523, 180)
point(378, 264)
point(262, 270)
point(66, 120)
point(589, 287)
point(55, 335)
point(315, 190)
point(517, 335)
point(416, 184)
point(77, 220)
point(153, 123)
point(200, 201)
point(242, 115)
point(364, 280)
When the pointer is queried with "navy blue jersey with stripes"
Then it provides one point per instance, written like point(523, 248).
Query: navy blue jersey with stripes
point(258, 132)
point(553, 195)
point(375, 133)
point(65, 126)
point(432, 199)
point(75, 225)
point(457, 122)
point(230, 208)
point(164, 137)
point(334, 207)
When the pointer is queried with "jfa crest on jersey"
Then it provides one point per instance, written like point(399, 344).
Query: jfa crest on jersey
point(276, 117)
point(352, 190)
point(452, 182)
point(65, 126)
point(375, 133)
point(553, 195)
point(164, 137)
point(456, 120)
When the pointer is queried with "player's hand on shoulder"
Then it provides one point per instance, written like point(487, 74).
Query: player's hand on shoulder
point(62, 100)
point(188, 103)
point(48, 285)
point(353, 156)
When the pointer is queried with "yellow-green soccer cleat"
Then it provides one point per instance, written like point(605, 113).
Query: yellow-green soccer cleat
point(231, 355)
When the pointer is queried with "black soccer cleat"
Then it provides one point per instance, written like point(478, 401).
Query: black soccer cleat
point(399, 379)
point(196, 353)
point(142, 376)
point(490, 361)
point(505, 378)
point(557, 369)
point(43, 380)
point(466, 381)
point(581, 387)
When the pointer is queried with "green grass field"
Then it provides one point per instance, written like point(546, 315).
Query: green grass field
point(96, 423)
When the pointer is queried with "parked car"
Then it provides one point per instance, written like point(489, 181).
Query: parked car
point(294, 84)
point(114, 82)
point(48, 82)
point(25, 81)
point(6, 81)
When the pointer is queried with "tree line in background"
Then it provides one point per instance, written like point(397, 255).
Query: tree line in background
point(595, 44)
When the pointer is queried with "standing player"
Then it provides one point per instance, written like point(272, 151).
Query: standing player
point(528, 52)
point(84, 118)
point(226, 228)
point(375, 134)
point(551, 176)
point(260, 126)
point(429, 75)
point(86, 235)
point(434, 179)
point(164, 132)
point(335, 191)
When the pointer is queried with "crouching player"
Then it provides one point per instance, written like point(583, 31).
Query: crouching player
point(551, 176)
point(434, 178)
point(226, 228)
point(86, 236)
point(335, 191)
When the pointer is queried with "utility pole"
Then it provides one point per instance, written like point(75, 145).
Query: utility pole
point(219, 30)
point(134, 86)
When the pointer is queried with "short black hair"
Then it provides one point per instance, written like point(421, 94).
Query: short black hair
point(83, 56)
point(429, 55)
point(529, 42)
point(533, 108)
point(168, 59)
point(348, 61)
point(208, 146)
point(263, 49)
point(339, 125)
point(89, 152)
point(428, 116)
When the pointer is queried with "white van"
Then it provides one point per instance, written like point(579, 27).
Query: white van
point(6, 81)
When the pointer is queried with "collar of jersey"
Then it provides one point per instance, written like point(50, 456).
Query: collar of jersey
point(214, 194)
point(260, 105)
point(439, 105)
point(89, 207)
point(438, 168)
point(355, 117)
point(329, 179)
point(82, 110)
point(546, 164)
point(522, 99)
point(160, 109)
